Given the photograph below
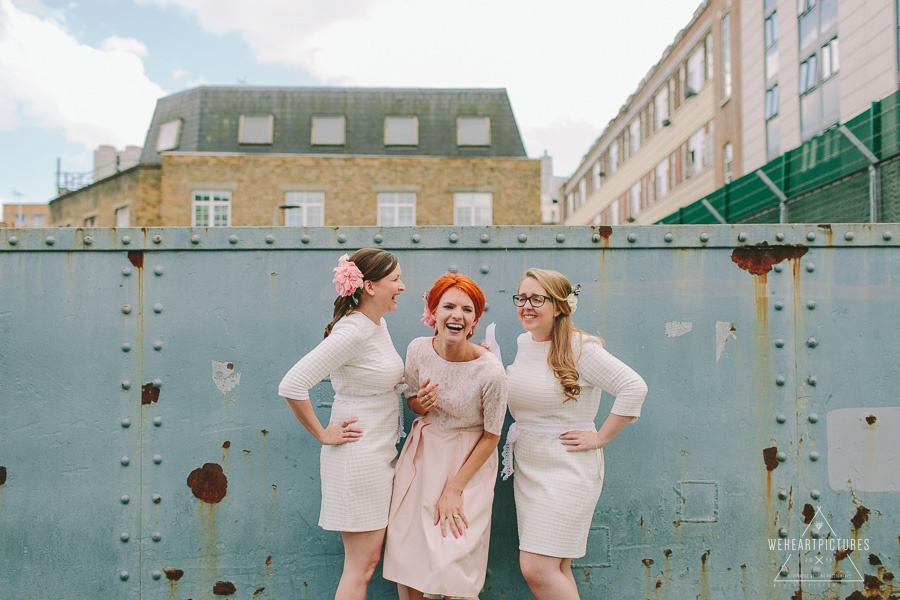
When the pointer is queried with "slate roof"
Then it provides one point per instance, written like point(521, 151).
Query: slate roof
point(210, 117)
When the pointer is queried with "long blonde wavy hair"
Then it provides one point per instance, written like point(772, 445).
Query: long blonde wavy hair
point(561, 358)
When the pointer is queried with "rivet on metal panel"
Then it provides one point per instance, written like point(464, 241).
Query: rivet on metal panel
point(816, 571)
point(669, 237)
point(779, 305)
point(811, 305)
point(781, 418)
point(782, 532)
point(778, 268)
point(453, 269)
point(782, 494)
point(523, 237)
point(416, 238)
point(157, 345)
point(157, 536)
point(88, 240)
point(454, 237)
point(814, 494)
point(485, 238)
point(632, 238)
point(811, 236)
point(157, 459)
point(125, 499)
point(157, 308)
point(125, 461)
point(157, 239)
point(810, 267)
point(812, 380)
point(126, 239)
point(595, 238)
point(233, 239)
point(813, 456)
point(50, 240)
point(126, 422)
point(812, 342)
point(341, 238)
point(156, 498)
point(779, 343)
point(270, 239)
point(305, 239)
point(742, 237)
point(158, 271)
point(784, 572)
point(704, 237)
point(126, 271)
point(848, 236)
point(13, 240)
point(378, 238)
point(157, 421)
point(780, 380)
point(156, 574)
point(887, 235)
point(560, 237)
point(124, 575)
point(779, 236)
point(781, 456)
point(126, 384)
point(157, 383)
point(195, 239)
point(813, 418)
point(485, 269)
point(124, 536)
point(126, 347)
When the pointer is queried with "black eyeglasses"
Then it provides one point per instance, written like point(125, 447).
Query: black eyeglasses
point(536, 301)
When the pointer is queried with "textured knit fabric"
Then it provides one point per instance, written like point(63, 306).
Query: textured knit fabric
point(357, 477)
point(557, 491)
point(469, 394)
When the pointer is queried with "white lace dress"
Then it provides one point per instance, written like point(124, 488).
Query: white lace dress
point(471, 399)
point(557, 491)
point(357, 477)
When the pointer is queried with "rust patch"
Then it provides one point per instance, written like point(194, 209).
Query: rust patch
point(647, 561)
point(704, 556)
point(226, 445)
point(808, 513)
point(2, 475)
point(605, 231)
point(842, 554)
point(758, 259)
point(798, 595)
point(224, 588)
point(149, 393)
point(871, 419)
point(667, 552)
point(658, 584)
point(230, 365)
point(888, 576)
point(137, 258)
point(870, 582)
point(264, 431)
point(824, 225)
point(268, 561)
point(208, 483)
point(770, 458)
point(258, 592)
point(856, 595)
point(861, 516)
point(676, 523)
point(874, 560)
point(173, 574)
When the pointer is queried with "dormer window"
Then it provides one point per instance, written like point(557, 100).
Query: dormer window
point(401, 131)
point(329, 131)
point(256, 129)
point(473, 131)
point(169, 136)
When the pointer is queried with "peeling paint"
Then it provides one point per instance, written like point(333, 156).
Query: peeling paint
point(226, 444)
point(173, 574)
point(149, 393)
point(874, 560)
point(808, 513)
point(224, 588)
point(647, 561)
point(605, 231)
point(208, 483)
point(137, 258)
point(724, 330)
point(678, 328)
point(258, 591)
point(861, 516)
point(759, 259)
point(770, 458)
point(224, 377)
point(2, 475)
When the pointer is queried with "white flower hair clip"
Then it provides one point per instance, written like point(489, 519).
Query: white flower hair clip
point(572, 298)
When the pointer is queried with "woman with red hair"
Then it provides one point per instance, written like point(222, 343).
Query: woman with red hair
point(440, 518)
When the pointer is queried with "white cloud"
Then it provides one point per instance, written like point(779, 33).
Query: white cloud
point(47, 78)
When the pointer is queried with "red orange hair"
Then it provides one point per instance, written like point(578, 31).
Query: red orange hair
point(466, 285)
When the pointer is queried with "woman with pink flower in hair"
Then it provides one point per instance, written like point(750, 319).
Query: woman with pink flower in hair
point(359, 442)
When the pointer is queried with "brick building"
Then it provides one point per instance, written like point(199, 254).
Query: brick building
point(238, 156)
point(25, 215)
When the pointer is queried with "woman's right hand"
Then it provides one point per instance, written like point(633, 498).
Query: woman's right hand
point(425, 398)
point(335, 435)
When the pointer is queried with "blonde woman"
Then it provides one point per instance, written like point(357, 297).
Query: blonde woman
point(555, 384)
point(359, 443)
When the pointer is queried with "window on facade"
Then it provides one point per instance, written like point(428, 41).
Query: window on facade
point(329, 131)
point(771, 41)
point(634, 135)
point(169, 135)
point(570, 204)
point(256, 129)
point(90, 222)
point(401, 131)
point(661, 105)
point(123, 216)
point(596, 175)
point(830, 59)
point(728, 161)
point(662, 178)
point(726, 55)
point(211, 209)
point(473, 131)
point(773, 138)
point(306, 209)
point(582, 191)
point(470, 208)
point(19, 221)
point(709, 57)
point(396, 209)
point(808, 73)
point(771, 102)
point(614, 212)
point(634, 201)
point(37, 221)
point(613, 156)
point(696, 70)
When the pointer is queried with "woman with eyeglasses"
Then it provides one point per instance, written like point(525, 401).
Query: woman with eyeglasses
point(555, 384)
point(440, 523)
point(359, 443)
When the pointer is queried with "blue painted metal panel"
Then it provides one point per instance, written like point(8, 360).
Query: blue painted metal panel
point(222, 482)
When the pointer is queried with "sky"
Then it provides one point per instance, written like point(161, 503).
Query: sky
point(75, 75)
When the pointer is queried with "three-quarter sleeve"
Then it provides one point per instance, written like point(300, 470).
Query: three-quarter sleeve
point(494, 396)
point(341, 347)
point(599, 368)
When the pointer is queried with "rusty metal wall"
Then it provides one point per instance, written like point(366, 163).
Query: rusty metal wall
point(144, 452)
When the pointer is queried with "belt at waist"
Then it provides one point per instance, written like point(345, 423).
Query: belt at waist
point(543, 429)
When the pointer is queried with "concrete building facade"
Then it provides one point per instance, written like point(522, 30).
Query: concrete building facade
point(25, 215)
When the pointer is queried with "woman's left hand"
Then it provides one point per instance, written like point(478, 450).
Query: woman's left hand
point(449, 513)
point(580, 440)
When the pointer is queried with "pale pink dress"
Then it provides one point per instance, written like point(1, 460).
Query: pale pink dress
point(471, 399)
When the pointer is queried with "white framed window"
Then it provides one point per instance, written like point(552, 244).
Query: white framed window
point(771, 44)
point(19, 221)
point(726, 55)
point(595, 171)
point(473, 131)
point(614, 212)
point(473, 208)
point(634, 200)
point(613, 156)
point(90, 221)
point(662, 178)
point(211, 208)
point(329, 130)
point(169, 136)
point(123, 216)
point(830, 59)
point(696, 70)
point(37, 221)
point(570, 204)
point(728, 161)
point(771, 102)
point(709, 58)
point(396, 209)
point(256, 129)
point(696, 153)
point(634, 135)
point(582, 191)
point(661, 106)
point(305, 209)
point(401, 130)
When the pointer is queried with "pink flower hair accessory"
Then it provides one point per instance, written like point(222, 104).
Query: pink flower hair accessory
point(348, 279)
point(427, 317)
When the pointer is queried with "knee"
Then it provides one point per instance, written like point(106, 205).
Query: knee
point(532, 570)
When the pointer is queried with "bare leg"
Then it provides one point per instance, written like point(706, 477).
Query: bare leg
point(402, 592)
point(545, 577)
point(362, 551)
point(566, 568)
point(415, 594)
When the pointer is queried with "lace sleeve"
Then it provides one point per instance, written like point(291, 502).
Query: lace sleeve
point(494, 396)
